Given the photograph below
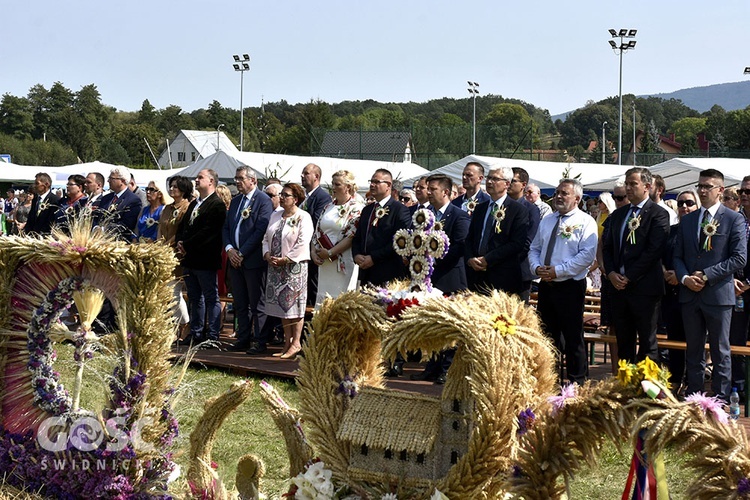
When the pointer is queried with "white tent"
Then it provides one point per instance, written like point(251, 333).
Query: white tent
point(682, 173)
point(288, 168)
point(545, 174)
point(22, 174)
point(221, 162)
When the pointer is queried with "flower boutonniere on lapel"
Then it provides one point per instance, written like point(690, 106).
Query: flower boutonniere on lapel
point(43, 206)
point(342, 211)
point(709, 228)
point(633, 224)
point(194, 214)
point(293, 221)
point(499, 216)
point(246, 213)
point(471, 205)
point(70, 211)
point(150, 221)
point(380, 212)
point(567, 230)
point(112, 207)
point(175, 216)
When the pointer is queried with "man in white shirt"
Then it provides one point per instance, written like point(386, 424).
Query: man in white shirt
point(533, 195)
point(94, 188)
point(562, 251)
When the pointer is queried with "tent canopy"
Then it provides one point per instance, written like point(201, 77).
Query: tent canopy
point(545, 174)
point(288, 168)
point(682, 173)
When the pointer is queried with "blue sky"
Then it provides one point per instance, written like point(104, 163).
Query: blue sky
point(550, 53)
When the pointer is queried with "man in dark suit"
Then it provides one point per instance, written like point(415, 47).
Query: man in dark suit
point(516, 192)
point(244, 228)
point(740, 317)
point(94, 189)
point(315, 201)
point(497, 239)
point(632, 256)
point(711, 246)
point(420, 191)
point(43, 207)
point(199, 242)
point(119, 210)
point(449, 274)
point(372, 246)
point(471, 180)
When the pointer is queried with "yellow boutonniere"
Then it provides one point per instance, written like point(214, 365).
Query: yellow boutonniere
point(633, 224)
point(380, 212)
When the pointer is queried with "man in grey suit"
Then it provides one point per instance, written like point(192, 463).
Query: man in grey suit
point(710, 247)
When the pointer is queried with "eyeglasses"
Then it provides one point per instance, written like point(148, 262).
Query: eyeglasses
point(71, 184)
point(743, 191)
point(495, 179)
point(239, 179)
point(270, 195)
point(378, 181)
point(115, 178)
point(286, 195)
point(730, 198)
point(705, 187)
point(619, 197)
point(685, 203)
point(151, 190)
point(404, 199)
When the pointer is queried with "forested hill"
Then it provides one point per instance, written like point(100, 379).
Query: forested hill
point(729, 96)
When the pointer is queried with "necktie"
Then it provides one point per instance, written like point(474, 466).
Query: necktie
point(702, 237)
point(243, 204)
point(237, 224)
point(375, 206)
point(489, 228)
point(438, 214)
point(114, 200)
point(625, 230)
point(552, 241)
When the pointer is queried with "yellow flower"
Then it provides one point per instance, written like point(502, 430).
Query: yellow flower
point(649, 369)
point(504, 324)
point(626, 372)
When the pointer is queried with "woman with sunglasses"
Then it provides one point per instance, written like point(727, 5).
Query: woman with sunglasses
point(731, 199)
point(687, 201)
point(147, 227)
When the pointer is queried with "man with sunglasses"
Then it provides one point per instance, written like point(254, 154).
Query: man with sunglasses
point(711, 246)
point(632, 253)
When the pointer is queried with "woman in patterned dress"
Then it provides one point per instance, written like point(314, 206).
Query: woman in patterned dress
point(286, 248)
point(332, 242)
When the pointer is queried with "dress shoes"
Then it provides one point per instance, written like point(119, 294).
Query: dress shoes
point(424, 376)
point(440, 380)
point(191, 340)
point(395, 371)
point(237, 347)
point(257, 349)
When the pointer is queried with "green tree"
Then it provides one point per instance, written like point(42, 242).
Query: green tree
point(147, 114)
point(112, 151)
point(686, 132)
point(16, 117)
point(509, 124)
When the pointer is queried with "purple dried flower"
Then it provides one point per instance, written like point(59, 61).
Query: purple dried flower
point(743, 486)
point(525, 421)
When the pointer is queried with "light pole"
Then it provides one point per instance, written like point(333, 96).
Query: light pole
point(474, 91)
point(624, 46)
point(604, 143)
point(242, 65)
point(634, 133)
point(218, 138)
point(747, 70)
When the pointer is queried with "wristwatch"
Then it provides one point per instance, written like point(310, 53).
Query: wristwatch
point(704, 278)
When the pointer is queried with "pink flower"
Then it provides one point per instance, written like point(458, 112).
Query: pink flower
point(568, 391)
point(709, 405)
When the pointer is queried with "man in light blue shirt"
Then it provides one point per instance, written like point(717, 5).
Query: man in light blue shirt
point(562, 251)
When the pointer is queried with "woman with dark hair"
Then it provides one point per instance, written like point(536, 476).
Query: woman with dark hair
point(286, 248)
point(75, 199)
point(181, 191)
point(147, 228)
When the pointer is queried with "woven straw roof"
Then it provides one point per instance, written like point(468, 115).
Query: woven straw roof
point(388, 419)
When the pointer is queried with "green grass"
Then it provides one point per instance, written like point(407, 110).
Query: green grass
point(250, 429)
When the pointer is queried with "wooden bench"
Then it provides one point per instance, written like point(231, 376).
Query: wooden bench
point(592, 336)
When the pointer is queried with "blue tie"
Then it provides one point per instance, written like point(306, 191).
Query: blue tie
point(243, 204)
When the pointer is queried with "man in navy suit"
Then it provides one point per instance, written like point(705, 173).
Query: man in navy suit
point(242, 236)
point(498, 239)
point(711, 246)
point(119, 210)
point(420, 191)
point(43, 206)
point(316, 200)
point(449, 275)
point(632, 257)
point(199, 242)
point(471, 180)
point(516, 192)
point(372, 246)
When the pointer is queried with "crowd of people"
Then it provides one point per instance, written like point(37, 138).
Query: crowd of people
point(672, 266)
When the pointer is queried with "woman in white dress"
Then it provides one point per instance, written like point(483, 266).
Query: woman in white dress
point(332, 243)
